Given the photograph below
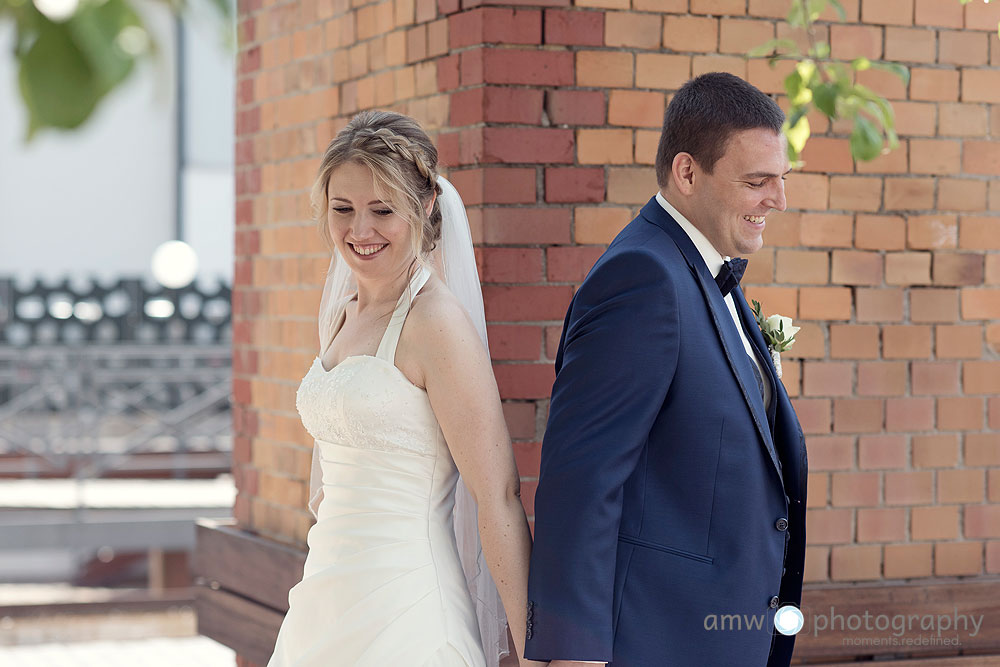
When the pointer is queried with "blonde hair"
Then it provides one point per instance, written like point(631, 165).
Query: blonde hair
point(403, 162)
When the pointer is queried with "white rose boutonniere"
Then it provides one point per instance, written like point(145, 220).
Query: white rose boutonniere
point(779, 334)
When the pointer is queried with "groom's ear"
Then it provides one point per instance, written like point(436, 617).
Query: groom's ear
point(682, 171)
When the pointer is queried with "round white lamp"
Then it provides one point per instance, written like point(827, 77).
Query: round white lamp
point(175, 264)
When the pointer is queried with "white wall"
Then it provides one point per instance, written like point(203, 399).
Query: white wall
point(98, 200)
point(209, 130)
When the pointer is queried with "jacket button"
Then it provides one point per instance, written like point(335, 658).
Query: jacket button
point(773, 604)
point(781, 524)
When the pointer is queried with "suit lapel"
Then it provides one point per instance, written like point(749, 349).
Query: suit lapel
point(757, 340)
point(732, 344)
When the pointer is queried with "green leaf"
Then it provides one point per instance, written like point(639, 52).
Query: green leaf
point(58, 84)
point(890, 134)
point(883, 111)
point(821, 50)
point(797, 17)
point(797, 83)
point(807, 70)
point(224, 8)
point(897, 69)
point(840, 9)
point(96, 29)
point(815, 8)
point(825, 98)
point(66, 68)
point(796, 114)
point(861, 64)
point(793, 84)
point(803, 98)
point(839, 72)
point(772, 46)
point(797, 134)
point(866, 140)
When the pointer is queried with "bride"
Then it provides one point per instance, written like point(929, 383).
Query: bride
point(401, 400)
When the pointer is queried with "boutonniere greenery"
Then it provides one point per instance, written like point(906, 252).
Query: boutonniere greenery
point(779, 334)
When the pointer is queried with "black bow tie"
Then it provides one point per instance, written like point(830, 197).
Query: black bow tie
point(730, 274)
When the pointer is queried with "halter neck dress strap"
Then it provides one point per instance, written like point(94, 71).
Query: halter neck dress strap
point(390, 339)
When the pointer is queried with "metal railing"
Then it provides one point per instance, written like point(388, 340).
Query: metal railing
point(114, 379)
point(122, 379)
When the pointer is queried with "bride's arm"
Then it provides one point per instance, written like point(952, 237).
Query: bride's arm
point(463, 393)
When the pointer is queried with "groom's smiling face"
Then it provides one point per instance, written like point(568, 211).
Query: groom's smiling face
point(729, 205)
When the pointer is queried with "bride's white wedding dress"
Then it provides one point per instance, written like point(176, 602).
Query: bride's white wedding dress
point(383, 584)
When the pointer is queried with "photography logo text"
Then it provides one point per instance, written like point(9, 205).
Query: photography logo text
point(900, 629)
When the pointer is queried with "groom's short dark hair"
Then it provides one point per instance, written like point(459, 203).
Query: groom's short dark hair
point(703, 115)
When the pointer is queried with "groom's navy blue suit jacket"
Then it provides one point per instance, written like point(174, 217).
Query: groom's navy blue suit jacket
point(669, 500)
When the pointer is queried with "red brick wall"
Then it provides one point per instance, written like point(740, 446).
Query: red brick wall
point(892, 268)
point(547, 115)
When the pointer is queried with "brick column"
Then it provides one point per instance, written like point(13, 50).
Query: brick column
point(304, 70)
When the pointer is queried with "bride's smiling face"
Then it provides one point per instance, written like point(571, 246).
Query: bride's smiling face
point(373, 239)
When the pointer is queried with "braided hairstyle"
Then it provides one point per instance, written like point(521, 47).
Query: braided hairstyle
point(403, 162)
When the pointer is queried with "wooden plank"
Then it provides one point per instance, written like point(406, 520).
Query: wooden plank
point(248, 628)
point(172, 534)
point(901, 619)
point(103, 602)
point(249, 565)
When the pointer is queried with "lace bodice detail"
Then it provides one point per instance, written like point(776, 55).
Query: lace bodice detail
point(367, 402)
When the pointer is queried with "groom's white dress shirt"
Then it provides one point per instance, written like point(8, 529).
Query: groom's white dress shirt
point(713, 259)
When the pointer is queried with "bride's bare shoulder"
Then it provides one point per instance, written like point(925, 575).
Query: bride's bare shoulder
point(439, 340)
point(437, 317)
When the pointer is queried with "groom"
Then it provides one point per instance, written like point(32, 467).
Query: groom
point(670, 512)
